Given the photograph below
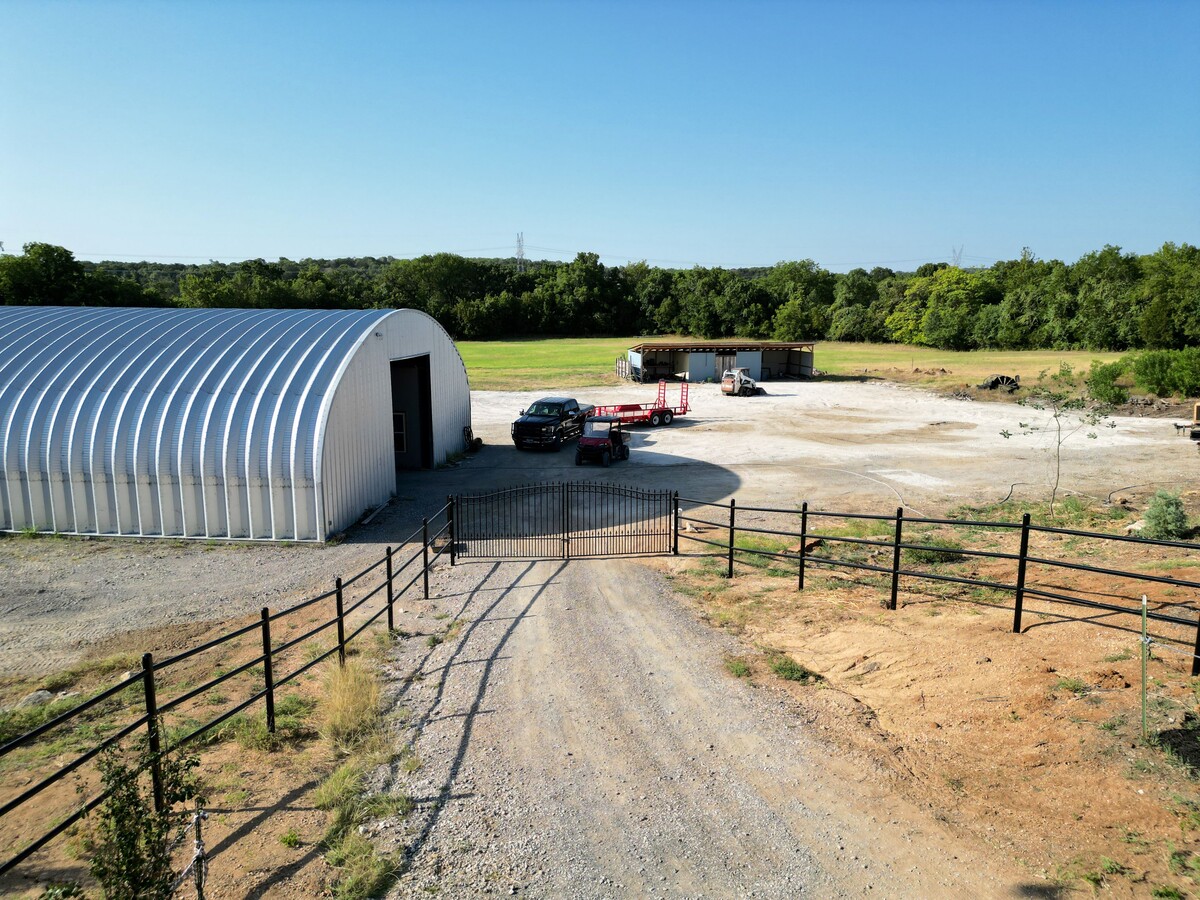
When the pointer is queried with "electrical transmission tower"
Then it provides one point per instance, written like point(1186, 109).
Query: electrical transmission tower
point(520, 251)
point(956, 255)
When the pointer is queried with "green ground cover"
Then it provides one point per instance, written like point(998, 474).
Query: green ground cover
point(580, 362)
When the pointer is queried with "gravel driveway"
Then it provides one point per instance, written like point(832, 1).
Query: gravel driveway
point(581, 738)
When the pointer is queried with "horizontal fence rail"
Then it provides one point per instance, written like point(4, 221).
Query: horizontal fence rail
point(377, 582)
point(893, 547)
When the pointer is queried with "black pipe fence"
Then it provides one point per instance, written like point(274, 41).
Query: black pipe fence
point(895, 544)
point(147, 681)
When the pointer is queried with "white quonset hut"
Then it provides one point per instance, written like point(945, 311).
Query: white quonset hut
point(218, 423)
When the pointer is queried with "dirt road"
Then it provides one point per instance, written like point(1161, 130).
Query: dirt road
point(581, 738)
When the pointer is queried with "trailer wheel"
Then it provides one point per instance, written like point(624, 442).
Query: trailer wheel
point(655, 419)
point(668, 417)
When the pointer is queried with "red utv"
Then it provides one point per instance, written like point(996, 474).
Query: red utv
point(604, 438)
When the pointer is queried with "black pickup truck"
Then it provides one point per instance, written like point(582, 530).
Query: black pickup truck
point(550, 422)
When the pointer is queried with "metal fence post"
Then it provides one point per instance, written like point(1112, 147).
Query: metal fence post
point(152, 736)
point(675, 525)
point(803, 541)
point(450, 529)
point(268, 674)
point(1022, 556)
point(732, 508)
point(896, 557)
point(1196, 652)
point(391, 621)
point(341, 624)
point(425, 554)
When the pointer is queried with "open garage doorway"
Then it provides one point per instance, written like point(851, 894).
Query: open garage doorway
point(412, 416)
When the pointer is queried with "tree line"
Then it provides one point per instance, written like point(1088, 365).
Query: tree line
point(1106, 300)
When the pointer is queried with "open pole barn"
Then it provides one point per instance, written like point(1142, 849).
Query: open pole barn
point(281, 425)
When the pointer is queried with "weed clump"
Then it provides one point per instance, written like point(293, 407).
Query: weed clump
point(789, 670)
point(350, 709)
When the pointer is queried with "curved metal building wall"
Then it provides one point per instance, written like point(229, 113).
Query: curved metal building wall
point(219, 423)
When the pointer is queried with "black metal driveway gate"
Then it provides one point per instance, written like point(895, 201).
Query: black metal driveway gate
point(563, 520)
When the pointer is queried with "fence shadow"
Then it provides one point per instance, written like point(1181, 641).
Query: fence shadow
point(445, 792)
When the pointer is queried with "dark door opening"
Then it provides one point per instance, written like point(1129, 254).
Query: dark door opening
point(412, 413)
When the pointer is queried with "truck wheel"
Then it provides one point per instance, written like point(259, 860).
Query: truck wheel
point(606, 459)
point(655, 420)
point(668, 417)
point(557, 444)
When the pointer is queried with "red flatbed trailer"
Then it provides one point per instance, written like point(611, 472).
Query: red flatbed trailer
point(656, 413)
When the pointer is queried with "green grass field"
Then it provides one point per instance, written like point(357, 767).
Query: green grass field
point(581, 362)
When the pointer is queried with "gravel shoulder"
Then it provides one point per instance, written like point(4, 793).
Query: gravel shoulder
point(580, 738)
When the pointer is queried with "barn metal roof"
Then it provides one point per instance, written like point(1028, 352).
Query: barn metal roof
point(144, 400)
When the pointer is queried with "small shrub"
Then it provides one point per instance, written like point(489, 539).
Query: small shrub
point(350, 711)
point(131, 847)
point(737, 667)
point(790, 670)
point(946, 552)
point(1166, 519)
point(290, 838)
point(1102, 382)
point(1167, 892)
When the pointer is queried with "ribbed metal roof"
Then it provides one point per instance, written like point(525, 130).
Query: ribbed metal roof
point(108, 417)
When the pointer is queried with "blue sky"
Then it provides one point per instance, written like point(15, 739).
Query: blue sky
point(728, 134)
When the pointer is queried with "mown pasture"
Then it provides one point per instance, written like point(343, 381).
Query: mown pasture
point(541, 363)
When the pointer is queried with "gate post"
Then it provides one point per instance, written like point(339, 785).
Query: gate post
point(450, 527)
point(803, 541)
point(565, 519)
point(732, 508)
point(675, 525)
point(1021, 558)
point(896, 557)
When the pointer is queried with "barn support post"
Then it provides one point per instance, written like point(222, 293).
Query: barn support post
point(390, 598)
point(341, 622)
point(675, 524)
point(1022, 558)
point(268, 674)
point(153, 741)
point(425, 555)
point(732, 532)
point(896, 557)
point(803, 541)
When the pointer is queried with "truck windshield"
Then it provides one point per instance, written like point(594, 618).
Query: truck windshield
point(544, 409)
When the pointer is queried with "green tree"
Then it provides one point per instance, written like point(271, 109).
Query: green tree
point(44, 275)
